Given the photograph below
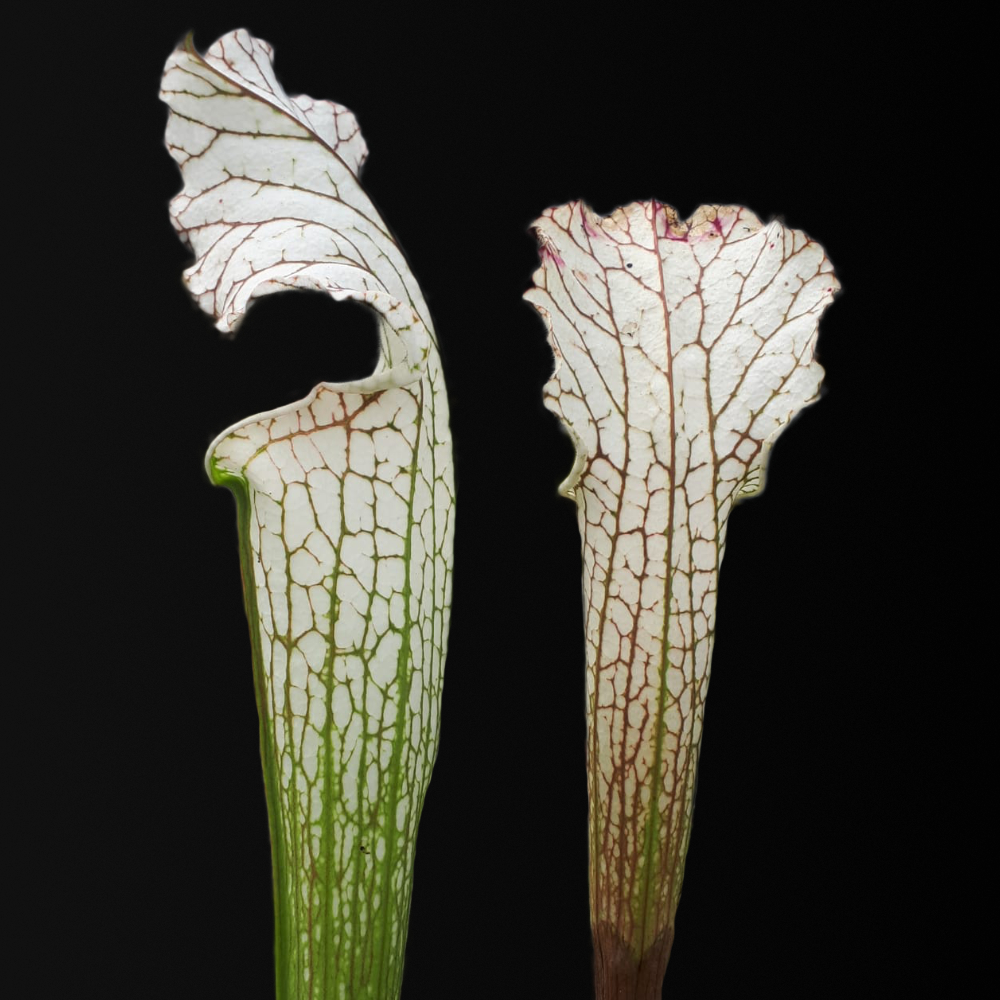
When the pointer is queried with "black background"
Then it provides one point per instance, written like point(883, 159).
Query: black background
point(802, 851)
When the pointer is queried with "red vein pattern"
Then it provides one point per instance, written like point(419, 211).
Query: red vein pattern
point(682, 350)
point(346, 506)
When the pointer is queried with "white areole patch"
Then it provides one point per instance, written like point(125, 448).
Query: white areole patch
point(347, 492)
point(682, 350)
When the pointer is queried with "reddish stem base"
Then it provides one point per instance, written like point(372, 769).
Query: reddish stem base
point(619, 975)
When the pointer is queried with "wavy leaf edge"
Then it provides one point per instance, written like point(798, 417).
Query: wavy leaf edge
point(345, 506)
point(681, 351)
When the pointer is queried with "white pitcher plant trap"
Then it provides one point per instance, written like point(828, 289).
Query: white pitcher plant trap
point(682, 351)
point(345, 513)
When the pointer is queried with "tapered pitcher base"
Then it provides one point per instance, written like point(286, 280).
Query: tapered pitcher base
point(620, 975)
